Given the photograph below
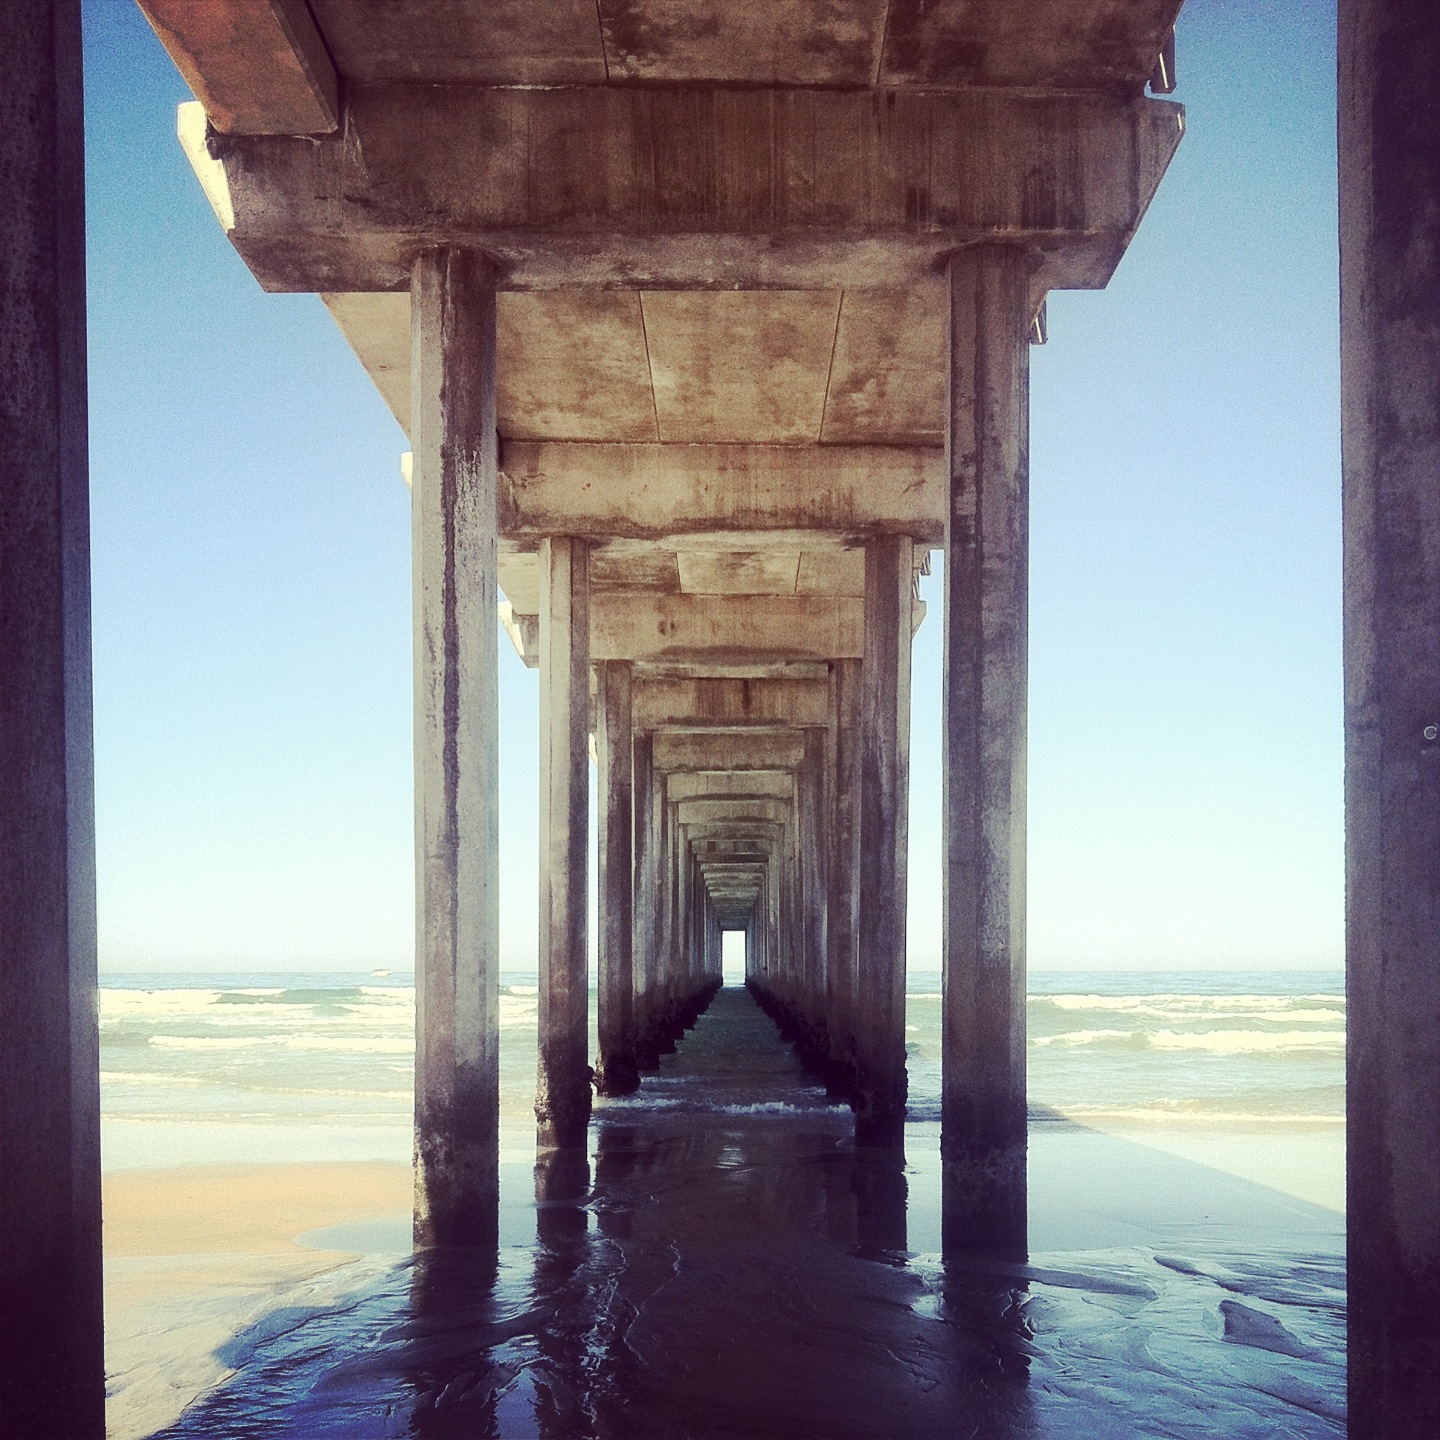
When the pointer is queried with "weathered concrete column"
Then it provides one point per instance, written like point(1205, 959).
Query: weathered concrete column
point(880, 1081)
point(644, 917)
point(983, 1028)
point(562, 1091)
point(52, 1371)
point(457, 849)
point(844, 875)
point(616, 1073)
point(813, 837)
point(1390, 410)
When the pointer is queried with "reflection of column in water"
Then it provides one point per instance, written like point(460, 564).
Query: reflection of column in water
point(566, 1306)
point(458, 1351)
point(985, 1301)
point(616, 1156)
point(881, 1193)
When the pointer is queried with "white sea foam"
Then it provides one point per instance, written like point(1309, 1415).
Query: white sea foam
point(1174, 1006)
point(1228, 1042)
point(1187, 1113)
point(357, 1044)
point(1235, 1042)
point(1084, 1037)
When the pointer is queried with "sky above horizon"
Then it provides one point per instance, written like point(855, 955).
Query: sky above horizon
point(251, 552)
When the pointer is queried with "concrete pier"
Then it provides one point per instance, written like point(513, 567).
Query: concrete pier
point(562, 1091)
point(1390, 381)
point(457, 719)
point(52, 1371)
point(986, 590)
point(733, 424)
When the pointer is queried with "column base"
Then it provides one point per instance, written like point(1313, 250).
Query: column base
point(457, 1195)
point(617, 1074)
point(984, 1199)
point(562, 1122)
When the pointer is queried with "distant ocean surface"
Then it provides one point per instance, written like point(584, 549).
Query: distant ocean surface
point(264, 1066)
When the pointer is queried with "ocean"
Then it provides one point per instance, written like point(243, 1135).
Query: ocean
point(253, 1067)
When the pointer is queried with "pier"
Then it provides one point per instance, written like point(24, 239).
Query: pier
point(707, 330)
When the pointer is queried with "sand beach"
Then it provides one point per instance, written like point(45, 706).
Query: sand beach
point(724, 1263)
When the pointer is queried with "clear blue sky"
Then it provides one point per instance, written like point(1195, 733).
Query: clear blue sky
point(251, 559)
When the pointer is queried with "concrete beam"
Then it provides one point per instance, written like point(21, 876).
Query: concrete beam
point(258, 67)
point(730, 811)
point(729, 750)
point(731, 784)
point(642, 491)
point(674, 188)
point(721, 630)
point(660, 704)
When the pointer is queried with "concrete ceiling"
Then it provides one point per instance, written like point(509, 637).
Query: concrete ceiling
point(1044, 44)
point(859, 367)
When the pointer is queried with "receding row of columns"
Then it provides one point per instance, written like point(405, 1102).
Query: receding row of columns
point(819, 888)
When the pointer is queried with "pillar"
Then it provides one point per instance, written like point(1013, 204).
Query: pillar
point(643, 918)
point(812, 847)
point(1390, 381)
point(562, 1091)
point(52, 1369)
point(457, 841)
point(880, 1082)
point(616, 1073)
point(843, 877)
point(985, 621)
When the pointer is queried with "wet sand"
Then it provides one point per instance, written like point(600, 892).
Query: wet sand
point(195, 1255)
point(724, 1263)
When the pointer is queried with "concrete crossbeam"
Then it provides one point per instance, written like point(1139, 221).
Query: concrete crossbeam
point(687, 703)
point(259, 67)
point(673, 187)
point(645, 491)
point(716, 629)
point(732, 751)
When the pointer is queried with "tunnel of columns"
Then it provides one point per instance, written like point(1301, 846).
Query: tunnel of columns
point(706, 331)
point(709, 324)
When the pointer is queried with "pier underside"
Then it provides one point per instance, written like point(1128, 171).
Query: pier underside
point(708, 324)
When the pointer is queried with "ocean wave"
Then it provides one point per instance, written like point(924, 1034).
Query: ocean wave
point(1234, 1042)
point(356, 1044)
point(1279, 1008)
point(1173, 1112)
point(1226, 1042)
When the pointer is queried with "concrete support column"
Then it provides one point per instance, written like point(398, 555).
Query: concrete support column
point(562, 1092)
point(457, 849)
point(52, 1370)
point(616, 1073)
point(880, 1081)
point(644, 917)
point(813, 847)
point(843, 874)
point(1390, 381)
point(986, 589)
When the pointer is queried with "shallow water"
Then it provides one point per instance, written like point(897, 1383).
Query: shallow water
point(253, 1067)
point(724, 1263)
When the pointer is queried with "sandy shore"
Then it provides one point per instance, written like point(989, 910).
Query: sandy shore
point(196, 1254)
